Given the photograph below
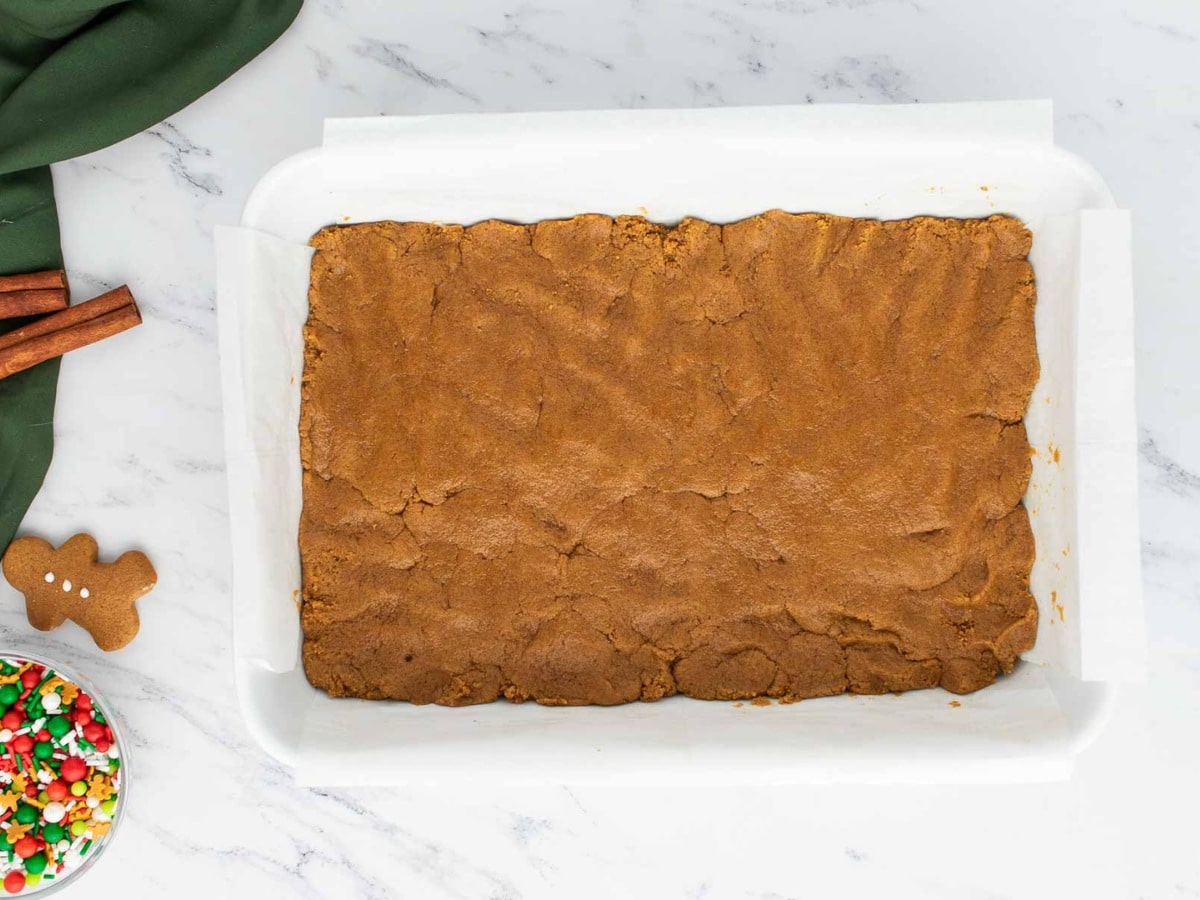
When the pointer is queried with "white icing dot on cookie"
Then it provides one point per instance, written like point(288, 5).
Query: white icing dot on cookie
point(84, 593)
point(67, 585)
point(49, 578)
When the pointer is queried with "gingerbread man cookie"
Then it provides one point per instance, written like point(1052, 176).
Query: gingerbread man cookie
point(70, 583)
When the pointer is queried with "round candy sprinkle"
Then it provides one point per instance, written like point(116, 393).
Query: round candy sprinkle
point(36, 864)
point(54, 812)
point(73, 769)
point(60, 777)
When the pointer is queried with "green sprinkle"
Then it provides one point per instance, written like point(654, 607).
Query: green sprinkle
point(86, 847)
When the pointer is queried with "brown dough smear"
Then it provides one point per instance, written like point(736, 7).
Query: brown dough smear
point(601, 460)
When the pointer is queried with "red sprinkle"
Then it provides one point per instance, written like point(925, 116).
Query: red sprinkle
point(14, 882)
point(82, 716)
point(83, 701)
point(93, 731)
point(25, 847)
point(73, 769)
point(12, 720)
point(22, 743)
point(31, 790)
point(102, 745)
point(44, 735)
point(30, 678)
point(57, 790)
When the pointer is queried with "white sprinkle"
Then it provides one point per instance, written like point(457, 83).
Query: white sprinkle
point(45, 777)
point(49, 578)
point(38, 725)
point(92, 802)
point(84, 593)
point(21, 731)
point(52, 702)
point(63, 844)
point(54, 811)
point(5, 736)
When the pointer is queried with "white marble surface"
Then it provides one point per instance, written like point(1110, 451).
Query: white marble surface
point(139, 462)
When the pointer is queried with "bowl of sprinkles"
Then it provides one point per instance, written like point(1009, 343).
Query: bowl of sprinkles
point(61, 775)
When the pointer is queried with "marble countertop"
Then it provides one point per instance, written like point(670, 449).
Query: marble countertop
point(139, 462)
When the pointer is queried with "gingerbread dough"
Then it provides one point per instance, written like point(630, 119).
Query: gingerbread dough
point(600, 460)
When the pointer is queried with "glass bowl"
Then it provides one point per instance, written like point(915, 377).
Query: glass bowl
point(81, 850)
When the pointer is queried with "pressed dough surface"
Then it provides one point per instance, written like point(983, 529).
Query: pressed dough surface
point(599, 460)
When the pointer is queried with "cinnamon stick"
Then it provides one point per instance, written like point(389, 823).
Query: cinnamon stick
point(68, 330)
point(49, 280)
point(14, 304)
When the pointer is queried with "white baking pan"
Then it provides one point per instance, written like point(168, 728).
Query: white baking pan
point(722, 165)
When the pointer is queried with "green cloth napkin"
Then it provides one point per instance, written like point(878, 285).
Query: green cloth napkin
point(75, 76)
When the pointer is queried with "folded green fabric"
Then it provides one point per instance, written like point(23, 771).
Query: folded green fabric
point(75, 76)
